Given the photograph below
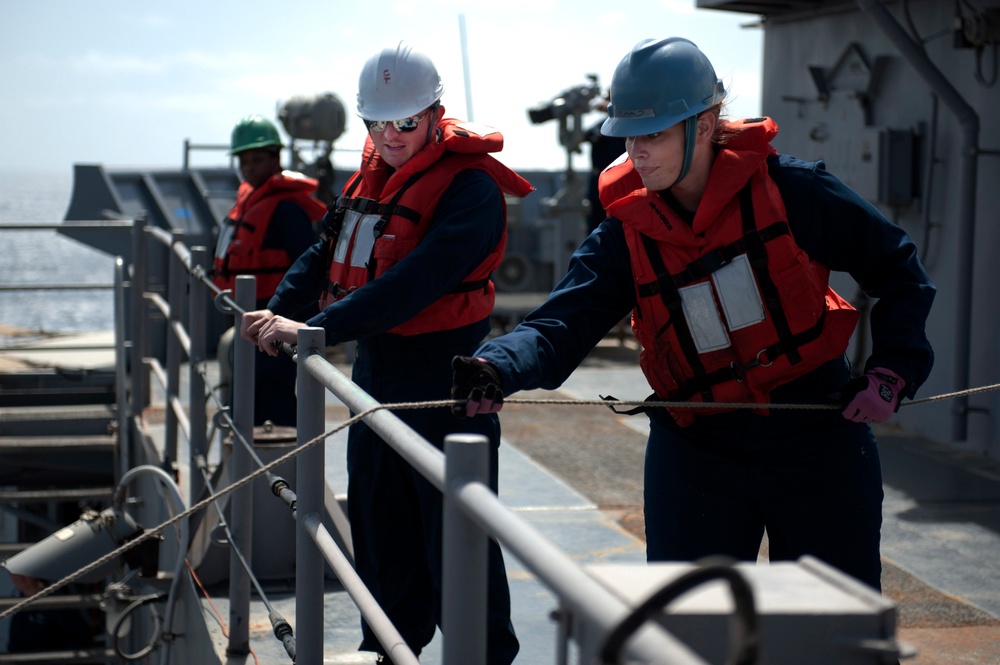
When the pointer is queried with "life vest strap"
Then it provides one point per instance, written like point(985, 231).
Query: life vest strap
point(666, 286)
point(636, 410)
point(738, 372)
point(713, 261)
point(757, 253)
point(383, 210)
point(672, 299)
point(240, 222)
point(474, 285)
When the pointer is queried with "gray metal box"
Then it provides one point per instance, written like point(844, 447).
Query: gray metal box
point(807, 611)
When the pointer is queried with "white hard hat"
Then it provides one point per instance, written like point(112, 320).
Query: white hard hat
point(397, 83)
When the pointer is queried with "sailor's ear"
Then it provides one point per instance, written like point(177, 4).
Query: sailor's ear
point(706, 125)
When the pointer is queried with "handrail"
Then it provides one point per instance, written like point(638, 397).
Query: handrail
point(579, 593)
point(473, 512)
point(584, 595)
point(56, 287)
point(76, 225)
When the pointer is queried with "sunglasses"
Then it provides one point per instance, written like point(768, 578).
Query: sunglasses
point(402, 126)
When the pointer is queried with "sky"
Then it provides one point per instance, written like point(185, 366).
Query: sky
point(125, 83)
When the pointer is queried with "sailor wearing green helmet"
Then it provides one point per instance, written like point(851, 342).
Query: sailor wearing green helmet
point(257, 146)
point(270, 225)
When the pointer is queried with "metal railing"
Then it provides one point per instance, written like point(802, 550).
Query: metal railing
point(177, 303)
point(473, 512)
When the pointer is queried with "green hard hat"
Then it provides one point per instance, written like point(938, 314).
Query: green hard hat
point(254, 131)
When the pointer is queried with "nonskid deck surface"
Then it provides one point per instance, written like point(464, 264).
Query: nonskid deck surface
point(940, 529)
point(567, 518)
point(575, 473)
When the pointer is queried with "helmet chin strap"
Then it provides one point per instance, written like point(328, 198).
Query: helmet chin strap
point(690, 134)
point(433, 134)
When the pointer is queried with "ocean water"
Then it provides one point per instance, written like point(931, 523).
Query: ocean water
point(47, 257)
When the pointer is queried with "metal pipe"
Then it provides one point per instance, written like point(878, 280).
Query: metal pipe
point(582, 594)
point(121, 373)
point(387, 634)
point(176, 295)
point(932, 161)
point(77, 225)
point(49, 349)
point(309, 472)
point(157, 301)
point(55, 287)
point(182, 422)
point(242, 500)
point(140, 338)
point(181, 335)
point(197, 351)
point(182, 548)
point(182, 252)
point(427, 460)
point(162, 236)
point(464, 554)
point(199, 462)
point(969, 120)
point(156, 369)
point(226, 419)
point(466, 71)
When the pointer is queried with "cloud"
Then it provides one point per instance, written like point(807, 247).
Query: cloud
point(151, 21)
point(686, 7)
point(224, 61)
point(100, 63)
point(192, 68)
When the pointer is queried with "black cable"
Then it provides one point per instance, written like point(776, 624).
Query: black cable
point(982, 80)
point(157, 625)
point(744, 648)
point(282, 629)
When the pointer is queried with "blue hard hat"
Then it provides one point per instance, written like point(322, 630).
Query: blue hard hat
point(658, 84)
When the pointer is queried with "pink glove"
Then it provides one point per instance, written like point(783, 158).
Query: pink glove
point(874, 397)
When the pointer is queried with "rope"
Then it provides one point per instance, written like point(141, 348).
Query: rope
point(740, 405)
point(55, 586)
point(960, 393)
point(400, 406)
point(672, 405)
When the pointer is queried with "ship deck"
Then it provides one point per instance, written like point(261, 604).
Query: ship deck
point(575, 473)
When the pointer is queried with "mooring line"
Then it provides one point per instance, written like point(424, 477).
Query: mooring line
point(401, 406)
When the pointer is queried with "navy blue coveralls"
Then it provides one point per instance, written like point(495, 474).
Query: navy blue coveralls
point(395, 513)
point(274, 376)
point(811, 478)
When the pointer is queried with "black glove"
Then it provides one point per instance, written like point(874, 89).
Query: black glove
point(477, 382)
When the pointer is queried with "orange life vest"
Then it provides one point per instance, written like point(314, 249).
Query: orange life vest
point(729, 306)
point(240, 248)
point(380, 218)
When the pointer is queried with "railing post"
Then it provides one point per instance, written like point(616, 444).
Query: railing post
point(241, 513)
point(198, 331)
point(310, 478)
point(140, 317)
point(123, 454)
point(464, 558)
point(176, 294)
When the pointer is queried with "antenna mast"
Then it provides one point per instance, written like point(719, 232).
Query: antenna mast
point(465, 67)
